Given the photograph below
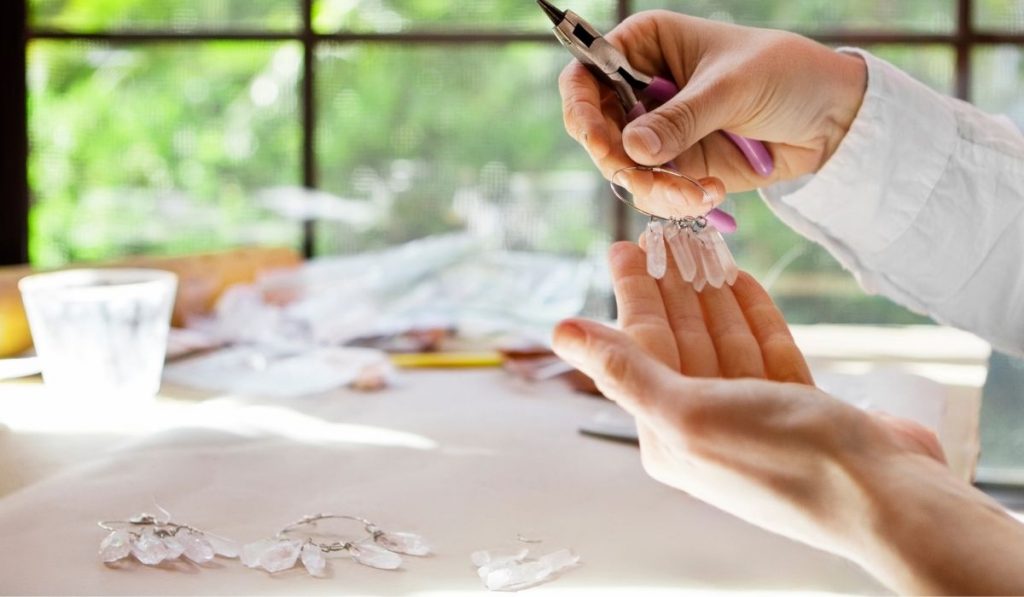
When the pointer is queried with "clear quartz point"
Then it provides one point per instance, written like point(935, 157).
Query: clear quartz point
point(252, 552)
point(369, 554)
point(197, 548)
point(224, 547)
point(149, 549)
point(516, 576)
point(281, 555)
point(675, 238)
point(712, 267)
point(313, 559)
point(654, 245)
point(732, 271)
point(407, 543)
point(700, 280)
point(175, 547)
point(115, 546)
point(486, 557)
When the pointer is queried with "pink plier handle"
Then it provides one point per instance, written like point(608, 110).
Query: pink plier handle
point(662, 90)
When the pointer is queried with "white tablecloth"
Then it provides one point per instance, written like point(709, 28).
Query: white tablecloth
point(469, 459)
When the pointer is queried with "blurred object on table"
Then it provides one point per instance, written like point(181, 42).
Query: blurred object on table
point(202, 278)
point(101, 334)
point(440, 301)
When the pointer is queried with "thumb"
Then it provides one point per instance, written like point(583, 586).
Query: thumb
point(659, 136)
point(622, 370)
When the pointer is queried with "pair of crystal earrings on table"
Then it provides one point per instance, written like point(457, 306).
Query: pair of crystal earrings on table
point(697, 247)
point(153, 540)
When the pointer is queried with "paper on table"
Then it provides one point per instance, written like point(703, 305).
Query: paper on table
point(251, 371)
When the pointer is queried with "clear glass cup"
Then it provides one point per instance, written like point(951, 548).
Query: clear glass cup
point(101, 333)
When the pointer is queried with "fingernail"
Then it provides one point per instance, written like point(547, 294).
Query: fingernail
point(569, 340)
point(648, 139)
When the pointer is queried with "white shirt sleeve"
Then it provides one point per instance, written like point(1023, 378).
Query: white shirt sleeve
point(923, 202)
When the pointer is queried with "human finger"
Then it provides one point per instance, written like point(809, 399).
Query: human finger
point(783, 360)
point(738, 352)
point(641, 311)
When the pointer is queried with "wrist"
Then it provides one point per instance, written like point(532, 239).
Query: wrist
point(928, 532)
point(849, 79)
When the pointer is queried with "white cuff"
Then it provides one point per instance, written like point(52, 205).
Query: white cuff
point(881, 175)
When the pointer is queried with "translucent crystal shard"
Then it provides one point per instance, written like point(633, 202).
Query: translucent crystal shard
point(149, 549)
point(281, 555)
point(699, 278)
point(174, 547)
point(371, 555)
point(197, 548)
point(253, 552)
point(486, 557)
point(407, 543)
point(732, 271)
point(515, 576)
point(313, 559)
point(681, 252)
point(224, 547)
point(560, 560)
point(654, 245)
point(709, 262)
point(115, 546)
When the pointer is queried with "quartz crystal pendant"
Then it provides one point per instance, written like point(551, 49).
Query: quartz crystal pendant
point(197, 548)
point(699, 278)
point(709, 261)
point(115, 546)
point(676, 239)
point(313, 559)
point(732, 271)
point(654, 245)
point(175, 547)
point(224, 547)
point(407, 543)
point(252, 552)
point(281, 555)
point(149, 549)
point(369, 554)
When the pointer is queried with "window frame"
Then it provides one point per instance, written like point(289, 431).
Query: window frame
point(17, 34)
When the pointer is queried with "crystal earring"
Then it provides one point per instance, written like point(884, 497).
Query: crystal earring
point(295, 543)
point(698, 249)
point(155, 539)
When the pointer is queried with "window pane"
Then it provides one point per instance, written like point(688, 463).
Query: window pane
point(389, 16)
point(997, 75)
point(177, 15)
point(933, 65)
point(999, 15)
point(430, 139)
point(821, 15)
point(128, 139)
point(807, 282)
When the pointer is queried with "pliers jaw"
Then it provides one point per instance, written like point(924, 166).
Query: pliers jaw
point(604, 60)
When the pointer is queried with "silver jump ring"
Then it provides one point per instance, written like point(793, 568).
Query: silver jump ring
point(706, 196)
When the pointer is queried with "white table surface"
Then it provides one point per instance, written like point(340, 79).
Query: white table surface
point(469, 459)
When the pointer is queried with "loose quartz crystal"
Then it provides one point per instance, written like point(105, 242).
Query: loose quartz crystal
point(115, 546)
point(654, 245)
point(313, 559)
point(407, 543)
point(371, 555)
point(149, 549)
point(514, 572)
